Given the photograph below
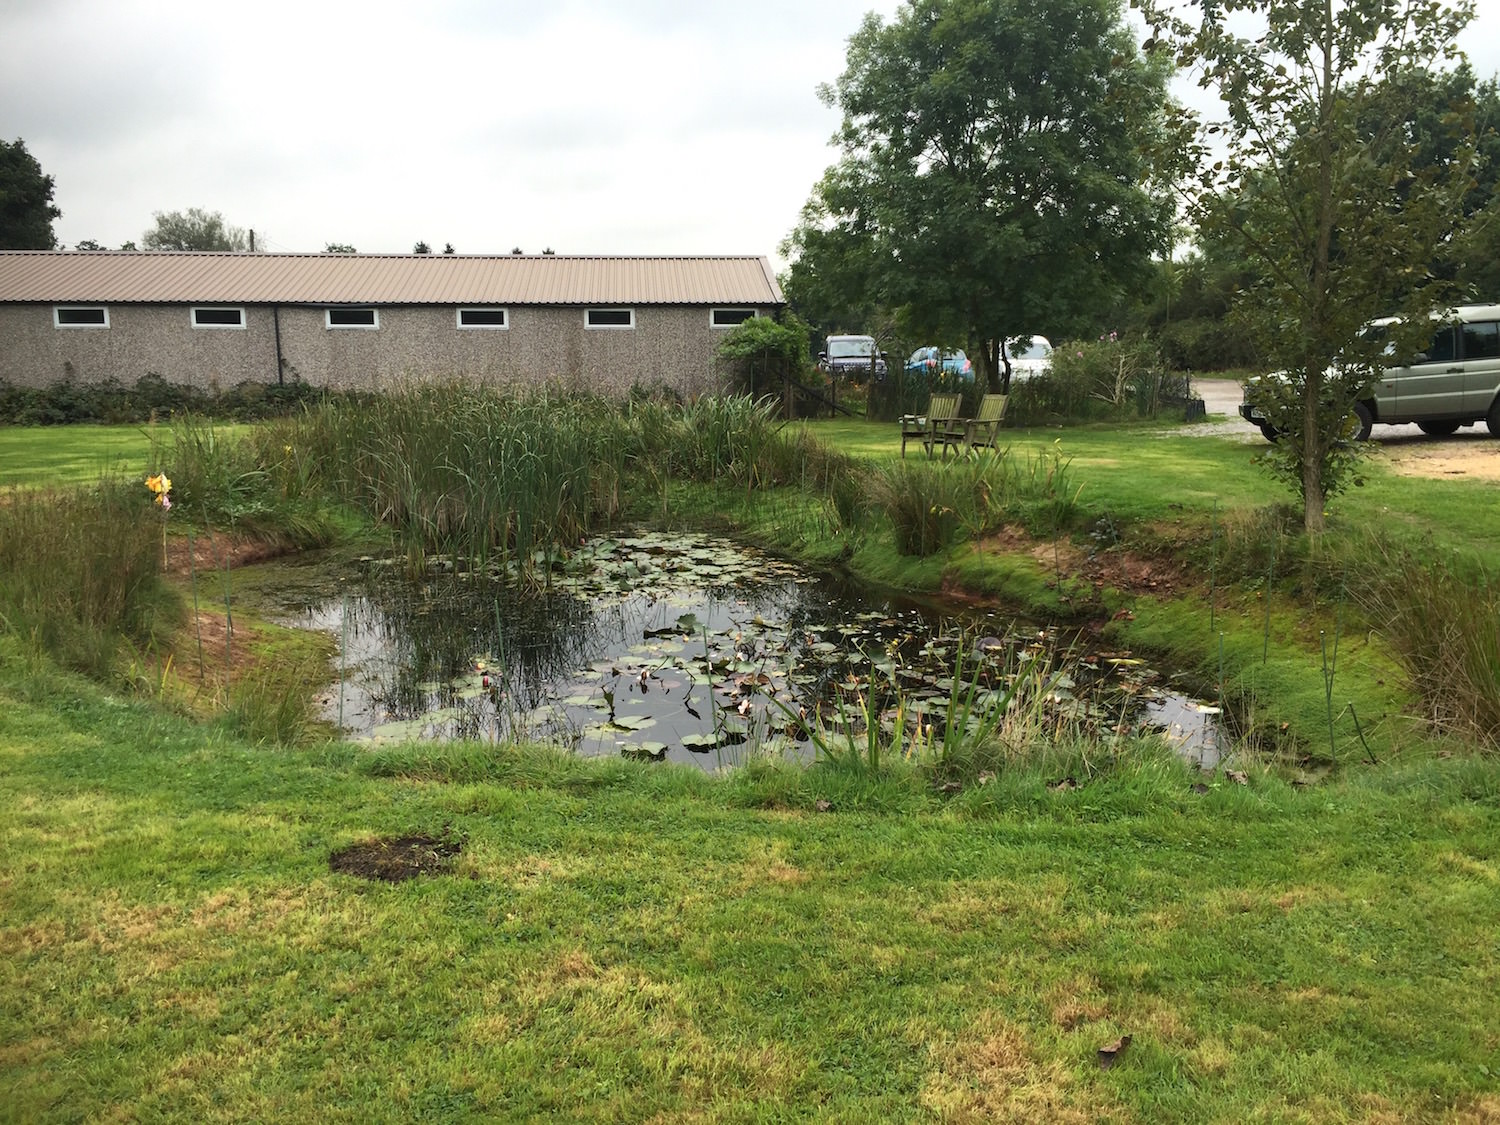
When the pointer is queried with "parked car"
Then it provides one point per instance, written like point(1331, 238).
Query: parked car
point(1454, 382)
point(853, 356)
point(925, 361)
point(1031, 356)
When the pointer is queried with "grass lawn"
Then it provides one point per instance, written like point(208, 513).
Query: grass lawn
point(617, 942)
point(32, 456)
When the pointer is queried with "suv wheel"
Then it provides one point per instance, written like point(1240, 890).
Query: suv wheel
point(1438, 429)
point(1366, 420)
point(1270, 432)
point(1492, 419)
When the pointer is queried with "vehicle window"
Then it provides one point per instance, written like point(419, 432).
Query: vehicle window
point(1482, 341)
point(849, 349)
point(1033, 350)
point(1442, 349)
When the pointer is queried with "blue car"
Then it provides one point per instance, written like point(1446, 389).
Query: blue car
point(925, 361)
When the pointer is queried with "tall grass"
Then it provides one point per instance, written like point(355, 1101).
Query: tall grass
point(80, 571)
point(1442, 616)
point(240, 481)
point(463, 470)
point(932, 506)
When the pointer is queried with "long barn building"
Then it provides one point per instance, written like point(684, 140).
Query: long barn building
point(601, 324)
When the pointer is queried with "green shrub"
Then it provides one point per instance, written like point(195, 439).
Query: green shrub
point(1109, 378)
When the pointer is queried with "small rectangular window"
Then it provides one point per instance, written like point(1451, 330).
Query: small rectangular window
point(609, 318)
point(728, 318)
point(218, 317)
point(353, 318)
point(80, 316)
point(483, 318)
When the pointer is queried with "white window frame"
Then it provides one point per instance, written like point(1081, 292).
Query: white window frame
point(608, 327)
point(196, 309)
point(57, 321)
point(713, 315)
point(458, 318)
point(328, 319)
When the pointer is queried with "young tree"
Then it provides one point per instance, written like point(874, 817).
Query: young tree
point(193, 229)
point(421, 248)
point(992, 179)
point(339, 248)
point(26, 210)
point(1338, 210)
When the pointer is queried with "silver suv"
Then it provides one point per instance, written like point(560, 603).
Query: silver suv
point(1454, 382)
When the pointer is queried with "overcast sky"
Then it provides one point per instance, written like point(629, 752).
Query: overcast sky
point(627, 127)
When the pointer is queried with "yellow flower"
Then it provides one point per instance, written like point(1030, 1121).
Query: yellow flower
point(159, 484)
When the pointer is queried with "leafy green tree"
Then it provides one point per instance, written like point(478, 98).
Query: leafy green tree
point(448, 248)
point(1332, 216)
point(193, 229)
point(339, 248)
point(421, 248)
point(992, 180)
point(26, 209)
point(87, 244)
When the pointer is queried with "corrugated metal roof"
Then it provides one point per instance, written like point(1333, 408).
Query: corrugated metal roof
point(169, 277)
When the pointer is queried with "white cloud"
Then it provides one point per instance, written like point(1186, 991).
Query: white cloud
point(637, 126)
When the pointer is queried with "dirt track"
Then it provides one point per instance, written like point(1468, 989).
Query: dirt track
point(1473, 452)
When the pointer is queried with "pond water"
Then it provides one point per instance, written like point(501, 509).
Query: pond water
point(692, 648)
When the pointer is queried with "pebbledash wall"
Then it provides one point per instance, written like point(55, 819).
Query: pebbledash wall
point(603, 346)
point(670, 345)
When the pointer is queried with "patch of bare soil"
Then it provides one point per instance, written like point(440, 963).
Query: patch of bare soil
point(1474, 457)
point(220, 551)
point(1110, 567)
point(395, 860)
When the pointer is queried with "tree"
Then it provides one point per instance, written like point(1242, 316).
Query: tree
point(87, 244)
point(421, 248)
point(991, 181)
point(1322, 184)
point(448, 248)
point(339, 248)
point(26, 210)
point(193, 229)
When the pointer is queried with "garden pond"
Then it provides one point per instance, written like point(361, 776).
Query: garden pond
point(692, 648)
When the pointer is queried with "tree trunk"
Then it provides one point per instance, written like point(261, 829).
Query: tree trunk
point(1312, 451)
point(1314, 445)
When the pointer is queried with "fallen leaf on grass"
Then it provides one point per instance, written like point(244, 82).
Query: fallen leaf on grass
point(1108, 1054)
point(1238, 777)
point(1062, 786)
point(824, 805)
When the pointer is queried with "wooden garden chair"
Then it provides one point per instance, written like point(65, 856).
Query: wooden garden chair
point(945, 425)
point(984, 430)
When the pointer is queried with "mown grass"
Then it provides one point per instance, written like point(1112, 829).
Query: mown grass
point(627, 942)
point(622, 942)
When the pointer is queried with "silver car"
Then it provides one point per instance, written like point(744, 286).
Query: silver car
point(1454, 382)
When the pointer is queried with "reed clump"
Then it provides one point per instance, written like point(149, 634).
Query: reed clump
point(1441, 613)
point(932, 506)
point(80, 572)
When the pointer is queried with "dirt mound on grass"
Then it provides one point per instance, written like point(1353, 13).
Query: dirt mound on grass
point(395, 860)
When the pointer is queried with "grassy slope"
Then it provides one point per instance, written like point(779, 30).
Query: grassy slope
point(620, 942)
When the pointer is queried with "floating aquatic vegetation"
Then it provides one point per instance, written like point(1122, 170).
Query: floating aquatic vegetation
point(692, 648)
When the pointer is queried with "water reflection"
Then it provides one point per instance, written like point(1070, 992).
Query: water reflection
point(692, 648)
